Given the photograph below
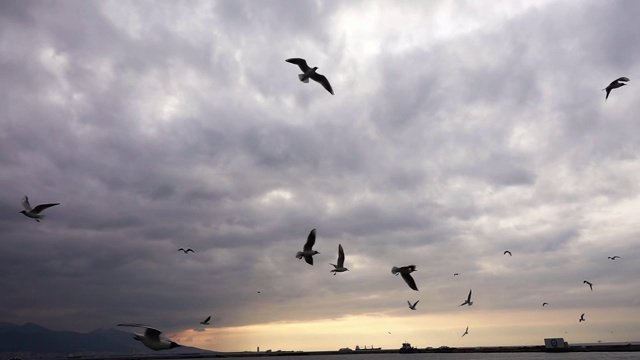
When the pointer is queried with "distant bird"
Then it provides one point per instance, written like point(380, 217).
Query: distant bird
point(588, 283)
point(405, 272)
point(507, 252)
point(615, 84)
point(35, 212)
point(613, 257)
point(545, 303)
point(340, 267)
point(310, 73)
point(206, 321)
point(466, 331)
point(582, 318)
point(468, 301)
point(413, 307)
point(151, 338)
point(456, 274)
point(307, 253)
point(185, 251)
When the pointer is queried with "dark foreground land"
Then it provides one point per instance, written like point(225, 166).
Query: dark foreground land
point(495, 349)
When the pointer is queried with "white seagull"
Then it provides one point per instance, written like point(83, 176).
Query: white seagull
point(615, 84)
point(405, 272)
point(466, 331)
point(151, 338)
point(206, 321)
point(468, 301)
point(340, 267)
point(413, 307)
point(310, 73)
point(35, 212)
point(307, 253)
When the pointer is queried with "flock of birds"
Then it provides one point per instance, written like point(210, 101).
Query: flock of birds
point(151, 337)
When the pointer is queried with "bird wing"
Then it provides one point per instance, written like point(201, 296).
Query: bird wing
point(322, 80)
point(189, 250)
point(311, 240)
point(409, 303)
point(302, 63)
point(469, 296)
point(309, 259)
point(181, 249)
point(507, 252)
point(207, 319)
point(416, 303)
point(409, 280)
point(41, 207)
point(608, 91)
point(149, 332)
point(624, 78)
point(25, 203)
point(340, 256)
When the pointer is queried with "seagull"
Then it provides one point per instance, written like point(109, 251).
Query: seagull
point(151, 338)
point(614, 85)
point(582, 318)
point(468, 301)
point(206, 321)
point(456, 274)
point(413, 307)
point(466, 331)
point(35, 212)
point(185, 251)
point(340, 267)
point(310, 73)
point(613, 257)
point(406, 271)
point(588, 283)
point(306, 252)
point(545, 303)
point(507, 252)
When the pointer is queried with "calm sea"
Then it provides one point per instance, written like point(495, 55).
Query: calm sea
point(466, 356)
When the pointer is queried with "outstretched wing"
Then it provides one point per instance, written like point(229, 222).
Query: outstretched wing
point(41, 207)
point(302, 63)
point(624, 78)
point(323, 81)
point(469, 296)
point(311, 240)
point(25, 203)
point(340, 256)
point(409, 280)
point(149, 332)
point(309, 259)
point(189, 250)
point(207, 319)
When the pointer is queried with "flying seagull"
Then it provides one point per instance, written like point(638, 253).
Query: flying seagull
point(588, 283)
point(306, 252)
point(582, 318)
point(405, 272)
point(466, 331)
point(613, 257)
point(615, 84)
point(413, 307)
point(310, 73)
point(507, 252)
point(340, 267)
point(35, 212)
point(468, 301)
point(545, 303)
point(151, 338)
point(185, 251)
point(206, 321)
point(456, 274)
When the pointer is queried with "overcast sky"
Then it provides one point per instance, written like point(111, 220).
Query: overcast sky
point(458, 130)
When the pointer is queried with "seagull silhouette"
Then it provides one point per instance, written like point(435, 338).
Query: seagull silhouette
point(466, 331)
point(310, 73)
point(507, 252)
point(185, 251)
point(468, 301)
point(413, 307)
point(35, 212)
point(151, 338)
point(615, 84)
point(340, 267)
point(456, 274)
point(307, 253)
point(545, 303)
point(405, 272)
point(206, 321)
point(613, 257)
point(582, 318)
point(588, 283)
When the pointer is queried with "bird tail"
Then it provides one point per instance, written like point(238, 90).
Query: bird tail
point(299, 255)
point(394, 270)
point(303, 78)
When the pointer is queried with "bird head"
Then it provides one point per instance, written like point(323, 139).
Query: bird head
point(174, 345)
point(315, 252)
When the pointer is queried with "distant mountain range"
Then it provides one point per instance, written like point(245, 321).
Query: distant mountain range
point(34, 338)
